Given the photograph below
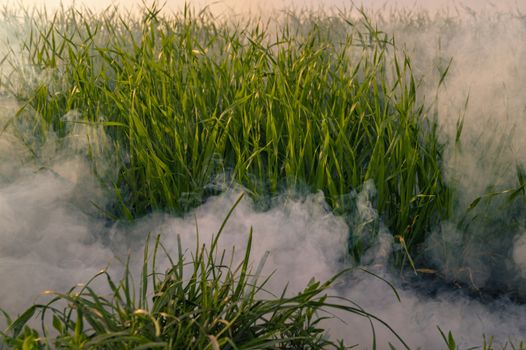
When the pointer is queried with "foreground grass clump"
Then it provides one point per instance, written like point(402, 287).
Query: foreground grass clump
point(204, 303)
point(311, 102)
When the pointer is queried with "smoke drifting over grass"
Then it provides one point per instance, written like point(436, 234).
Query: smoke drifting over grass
point(48, 230)
point(49, 244)
point(53, 238)
point(305, 240)
point(483, 94)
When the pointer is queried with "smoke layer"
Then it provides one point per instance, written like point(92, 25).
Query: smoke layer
point(305, 241)
point(481, 112)
point(236, 6)
point(48, 244)
point(52, 242)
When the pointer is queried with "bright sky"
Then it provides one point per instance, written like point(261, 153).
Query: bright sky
point(254, 5)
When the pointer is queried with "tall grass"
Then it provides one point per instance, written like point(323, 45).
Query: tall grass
point(194, 102)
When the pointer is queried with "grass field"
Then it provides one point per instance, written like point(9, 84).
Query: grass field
point(175, 109)
point(191, 102)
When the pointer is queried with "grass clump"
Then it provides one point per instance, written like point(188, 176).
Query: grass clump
point(191, 100)
point(205, 303)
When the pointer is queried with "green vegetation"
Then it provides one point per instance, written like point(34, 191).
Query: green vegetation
point(189, 101)
point(206, 303)
point(192, 104)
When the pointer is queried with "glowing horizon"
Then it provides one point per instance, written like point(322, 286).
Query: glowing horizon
point(265, 5)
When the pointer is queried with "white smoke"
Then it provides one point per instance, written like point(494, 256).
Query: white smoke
point(306, 241)
point(484, 85)
point(48, 244)
point(519, 253)
point(49, 226)
point(49, 238)
point(483, 53)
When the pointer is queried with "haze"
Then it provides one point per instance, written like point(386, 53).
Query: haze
point(258, 5)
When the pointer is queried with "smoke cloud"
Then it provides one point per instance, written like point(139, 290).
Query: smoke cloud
point(305, 241)
point(50, 244)
point(484, 94)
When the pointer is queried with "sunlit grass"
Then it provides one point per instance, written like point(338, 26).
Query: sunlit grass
point(193, 103)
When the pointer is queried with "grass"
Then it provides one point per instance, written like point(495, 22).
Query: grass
point(484, 174)
point(205, 303)
point(193, 103)
point(486, 345)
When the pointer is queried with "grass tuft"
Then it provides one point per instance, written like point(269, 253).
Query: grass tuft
point(206, 302)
